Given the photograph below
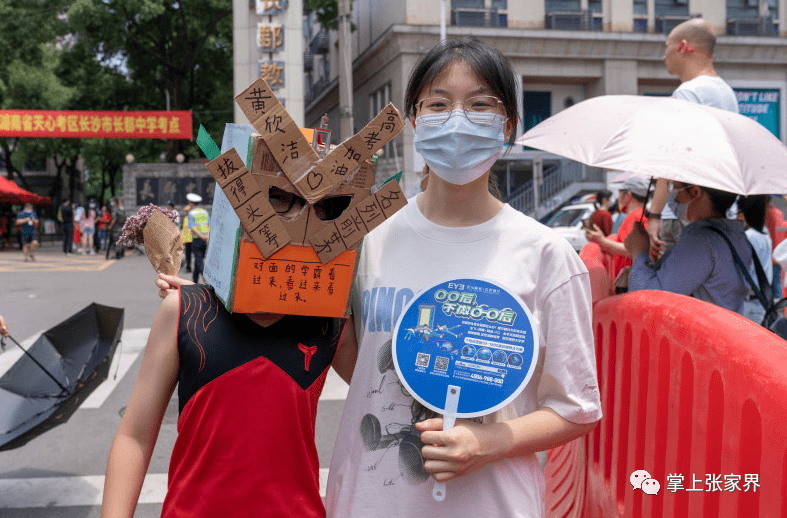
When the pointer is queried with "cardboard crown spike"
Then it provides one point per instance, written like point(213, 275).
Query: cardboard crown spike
point(258, 260)
point(313, 177)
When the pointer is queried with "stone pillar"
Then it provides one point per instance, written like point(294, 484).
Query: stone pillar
point(713, 12)
point(619, 78)
point(620, 15)
point(651, 7)
point(526, 14)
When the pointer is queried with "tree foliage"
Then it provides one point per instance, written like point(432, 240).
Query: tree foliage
point(170, 53)
point(113, 55)
point(29, 56)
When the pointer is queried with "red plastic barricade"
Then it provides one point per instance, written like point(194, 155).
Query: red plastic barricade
point(694, 395)
point(596, 262)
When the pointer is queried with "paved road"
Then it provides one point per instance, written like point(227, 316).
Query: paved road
point(60, 473)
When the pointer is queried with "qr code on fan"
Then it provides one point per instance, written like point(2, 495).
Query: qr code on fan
point(441, 363)
point(422, 360)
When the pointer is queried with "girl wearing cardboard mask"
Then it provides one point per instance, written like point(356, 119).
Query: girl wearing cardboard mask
point(461, 98)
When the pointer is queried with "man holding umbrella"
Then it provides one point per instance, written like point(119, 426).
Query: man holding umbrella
point(701, 264)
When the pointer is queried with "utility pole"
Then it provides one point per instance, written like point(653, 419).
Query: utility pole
point(442, 20)
point(346, 124)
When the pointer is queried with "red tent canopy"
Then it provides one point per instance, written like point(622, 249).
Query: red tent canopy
point(12, 193)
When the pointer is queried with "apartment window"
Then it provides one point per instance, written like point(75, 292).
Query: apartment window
point(570, 15)
point(640, 16)
point(671, 8)
point(669, 14)
point(324, 70)
point(743, 18)
point(378, 100)
point(750, 8)
point(479, 13)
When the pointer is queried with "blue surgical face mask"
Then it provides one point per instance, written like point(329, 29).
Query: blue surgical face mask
point(459, 151)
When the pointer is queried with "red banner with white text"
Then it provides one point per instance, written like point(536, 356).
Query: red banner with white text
point(96, 124)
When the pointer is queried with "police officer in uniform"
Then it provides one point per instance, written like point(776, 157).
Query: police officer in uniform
point(199, 226)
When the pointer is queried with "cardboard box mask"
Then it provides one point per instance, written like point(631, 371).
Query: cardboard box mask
point(302, 262)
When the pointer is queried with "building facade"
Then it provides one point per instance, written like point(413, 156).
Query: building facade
point(563, 51)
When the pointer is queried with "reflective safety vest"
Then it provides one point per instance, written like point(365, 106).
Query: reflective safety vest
point(186, 232)
point(201, 220)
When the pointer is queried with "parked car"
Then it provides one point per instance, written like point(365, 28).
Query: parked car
point(568, 223)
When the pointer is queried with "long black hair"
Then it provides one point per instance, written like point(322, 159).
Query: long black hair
point(487, 62)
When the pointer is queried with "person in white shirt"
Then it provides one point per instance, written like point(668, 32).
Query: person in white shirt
point(462, 101)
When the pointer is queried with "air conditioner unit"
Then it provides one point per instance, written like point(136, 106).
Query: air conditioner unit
point(568, 20)
point(762, 26)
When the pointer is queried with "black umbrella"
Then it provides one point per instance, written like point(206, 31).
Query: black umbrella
point(44, 387)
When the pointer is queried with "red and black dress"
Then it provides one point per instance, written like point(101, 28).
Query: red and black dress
point(248, 401)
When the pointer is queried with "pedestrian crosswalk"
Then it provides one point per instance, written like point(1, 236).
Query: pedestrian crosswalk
point(13, 262)
point(69, 491)
point(32, 493)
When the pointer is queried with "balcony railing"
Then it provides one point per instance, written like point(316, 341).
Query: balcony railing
point(761, 26)
point(319, 44)
point(572, 21)
point(480, 17)
point(308, 61)
point(317, 88)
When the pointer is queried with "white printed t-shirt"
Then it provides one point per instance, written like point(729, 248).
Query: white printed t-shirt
point(709, 91)
point(376, 469)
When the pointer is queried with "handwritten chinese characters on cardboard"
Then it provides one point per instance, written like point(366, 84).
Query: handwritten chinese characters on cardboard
point(249, 202)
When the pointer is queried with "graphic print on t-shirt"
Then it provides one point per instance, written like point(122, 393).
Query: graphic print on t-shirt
point(391, 441)
point(396, 438)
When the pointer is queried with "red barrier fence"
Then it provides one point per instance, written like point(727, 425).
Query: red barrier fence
point(688, 389)
point(596, 262)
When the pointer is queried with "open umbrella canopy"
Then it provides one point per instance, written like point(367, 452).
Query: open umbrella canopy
point(667, 138)
point(45, 387)
point(10, 192)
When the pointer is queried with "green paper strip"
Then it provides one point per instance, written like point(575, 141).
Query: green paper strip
point(250, 153)
point(206, 144)
point(397, 177)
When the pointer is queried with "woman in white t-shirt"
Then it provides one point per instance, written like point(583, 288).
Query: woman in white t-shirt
point(461, 99)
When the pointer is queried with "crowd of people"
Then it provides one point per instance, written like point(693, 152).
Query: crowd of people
point(681, 241)
point(690, 239)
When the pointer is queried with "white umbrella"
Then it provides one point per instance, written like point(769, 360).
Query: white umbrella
point(667, 138)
